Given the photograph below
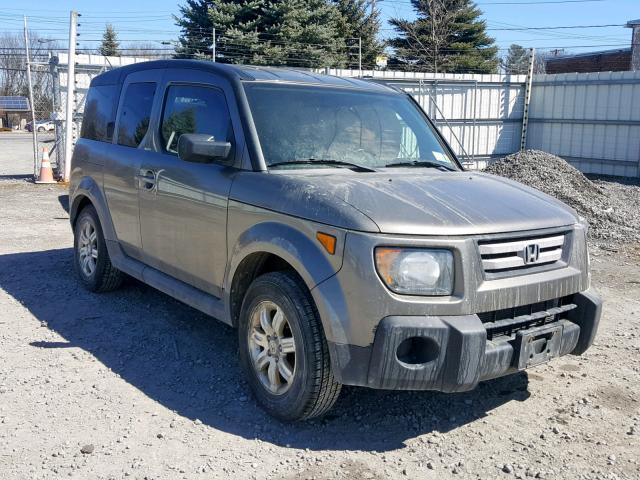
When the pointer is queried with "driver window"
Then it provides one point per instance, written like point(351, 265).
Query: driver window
point(194, 109)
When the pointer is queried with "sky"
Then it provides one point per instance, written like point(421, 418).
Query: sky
point(151, 21)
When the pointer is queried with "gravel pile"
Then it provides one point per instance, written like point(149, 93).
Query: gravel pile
point(612, 208)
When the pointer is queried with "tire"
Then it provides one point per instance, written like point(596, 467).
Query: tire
point(311, 390)
point(97, 274)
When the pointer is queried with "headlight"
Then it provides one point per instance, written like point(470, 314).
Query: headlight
point(416, 271)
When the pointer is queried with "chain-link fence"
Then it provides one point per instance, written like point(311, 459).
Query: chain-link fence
point(18, 111)
point(26, 107)
point(45, 105)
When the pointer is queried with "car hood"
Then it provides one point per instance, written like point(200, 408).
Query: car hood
point(414, 202)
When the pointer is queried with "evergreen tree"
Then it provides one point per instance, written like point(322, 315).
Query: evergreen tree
point(109, 46)
point(196, 23)
point(300, 33)
point(357, 21)
point(517, 60)
point(447, 36)
point(238, 22)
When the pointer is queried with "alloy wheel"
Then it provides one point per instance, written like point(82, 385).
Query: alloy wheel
point(272, 347)
point(88, 248)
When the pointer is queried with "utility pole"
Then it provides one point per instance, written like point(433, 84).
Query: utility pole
point(71, 93)
point(34, 129)
point(360, 56)
point(213, 46)
point(527, 100)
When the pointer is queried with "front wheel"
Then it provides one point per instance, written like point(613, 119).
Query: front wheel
point(283, 350)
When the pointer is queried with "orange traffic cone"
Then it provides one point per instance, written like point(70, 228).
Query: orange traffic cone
point(46, 174)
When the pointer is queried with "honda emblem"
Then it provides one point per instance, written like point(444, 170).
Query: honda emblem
point(531, 253)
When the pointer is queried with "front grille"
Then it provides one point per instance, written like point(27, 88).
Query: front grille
point(508, 321)
point(500, 256)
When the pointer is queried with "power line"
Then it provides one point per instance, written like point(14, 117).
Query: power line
point(232, 46)
point(285, 42)
point(551, 33)
point(559, 27)
point(510, 2)
point(541, 2)
point(197, 48)
point(562, 27)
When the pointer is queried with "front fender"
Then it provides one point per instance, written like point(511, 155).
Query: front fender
point(293, 240)
point(306, 255)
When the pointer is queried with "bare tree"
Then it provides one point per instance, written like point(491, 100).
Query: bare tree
point(13, 69)
point(540, 63)
point(12, 65)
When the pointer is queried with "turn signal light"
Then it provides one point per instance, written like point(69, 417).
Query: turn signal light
point(327, 241)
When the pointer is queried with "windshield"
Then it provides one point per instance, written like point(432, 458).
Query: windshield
point(369, 129)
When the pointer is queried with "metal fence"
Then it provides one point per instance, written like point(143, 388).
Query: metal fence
point(590, 119)
point(45, 103)
point(479, 115)
point(13, 82)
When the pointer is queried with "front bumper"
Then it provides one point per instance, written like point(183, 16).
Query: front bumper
point(452, 353)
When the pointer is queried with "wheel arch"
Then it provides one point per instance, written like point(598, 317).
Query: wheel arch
point(251, 267)
point(87, 192)
point(79, 203)
point(268, 247)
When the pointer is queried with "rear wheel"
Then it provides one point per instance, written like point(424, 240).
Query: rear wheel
point(91, 259)
point(283, 349)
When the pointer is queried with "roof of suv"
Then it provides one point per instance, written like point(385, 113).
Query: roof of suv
point(240, 73)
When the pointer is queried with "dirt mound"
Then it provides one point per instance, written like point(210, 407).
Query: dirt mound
point(612, 209)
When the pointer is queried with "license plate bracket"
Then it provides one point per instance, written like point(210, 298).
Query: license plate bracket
point(538, 345)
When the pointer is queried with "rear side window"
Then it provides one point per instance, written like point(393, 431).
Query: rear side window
point(100, 113)
point(135, 113)
point(194, 109)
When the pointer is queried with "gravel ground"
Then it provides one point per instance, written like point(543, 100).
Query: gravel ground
point(134, 384)
point(612, 208)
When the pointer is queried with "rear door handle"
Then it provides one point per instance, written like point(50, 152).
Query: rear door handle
point(147, 179)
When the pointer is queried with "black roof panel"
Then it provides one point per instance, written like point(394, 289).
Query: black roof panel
point(240, 72)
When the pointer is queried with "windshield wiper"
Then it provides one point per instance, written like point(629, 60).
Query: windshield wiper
point(325, 161)
point(420, 163)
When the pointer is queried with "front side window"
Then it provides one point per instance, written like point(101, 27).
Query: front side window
point(135, 113)
point(194, 109)
point(300, 123)
point(99, 114)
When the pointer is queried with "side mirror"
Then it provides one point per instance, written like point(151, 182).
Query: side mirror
point(202, 148)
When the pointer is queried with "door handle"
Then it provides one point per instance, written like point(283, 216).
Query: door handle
point(147, 179)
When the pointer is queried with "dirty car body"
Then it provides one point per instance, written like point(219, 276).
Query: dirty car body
point(508, 265)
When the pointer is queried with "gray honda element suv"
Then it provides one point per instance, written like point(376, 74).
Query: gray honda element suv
point(329, 222)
